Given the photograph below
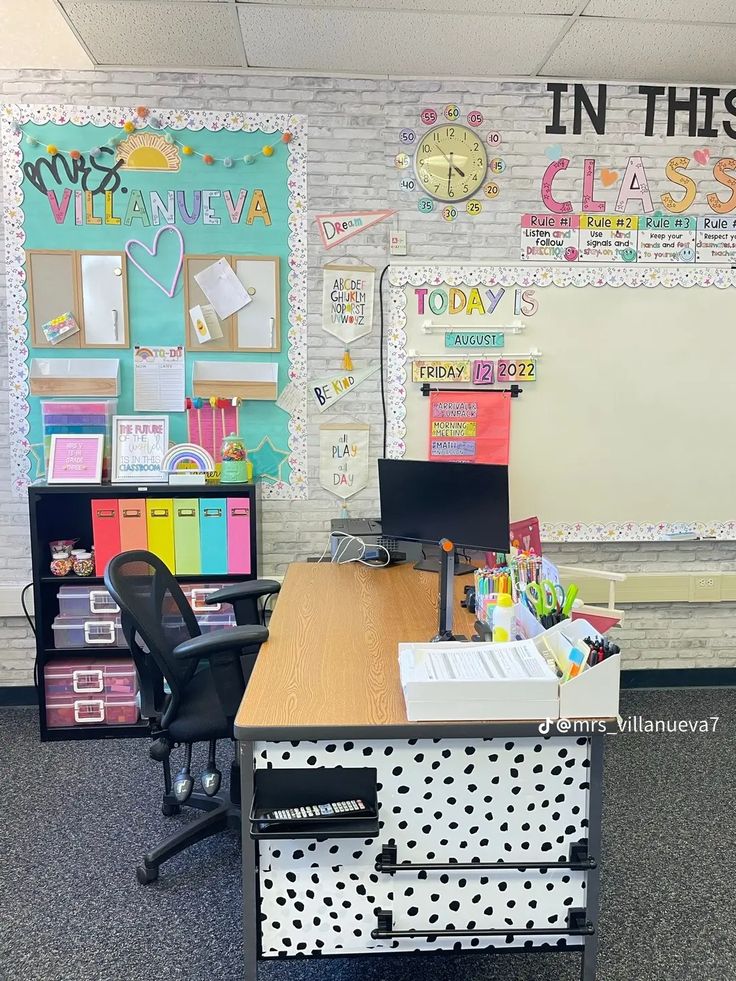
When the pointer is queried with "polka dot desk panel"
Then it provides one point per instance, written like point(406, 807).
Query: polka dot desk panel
point(480, 800)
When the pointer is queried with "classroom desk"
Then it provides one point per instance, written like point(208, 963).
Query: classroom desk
point(488, 832)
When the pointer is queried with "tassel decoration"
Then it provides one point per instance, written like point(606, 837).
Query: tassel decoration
point(347, 361)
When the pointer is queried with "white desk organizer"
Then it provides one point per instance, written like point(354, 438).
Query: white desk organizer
point(593, 694)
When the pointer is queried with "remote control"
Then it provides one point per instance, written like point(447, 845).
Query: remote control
point(308, 812)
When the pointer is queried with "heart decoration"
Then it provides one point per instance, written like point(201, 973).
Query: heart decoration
point(152, 252)
point(553, 152)
point(609, 177)
point(702, 156)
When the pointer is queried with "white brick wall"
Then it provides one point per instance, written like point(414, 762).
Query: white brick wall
point(353, 137)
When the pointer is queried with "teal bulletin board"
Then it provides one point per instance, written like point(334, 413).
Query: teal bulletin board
point(93, 179)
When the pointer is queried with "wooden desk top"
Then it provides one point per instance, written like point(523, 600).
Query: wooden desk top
point(330, 667)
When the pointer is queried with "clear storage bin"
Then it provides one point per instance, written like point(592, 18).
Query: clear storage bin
point(111, 676)
point(197, 593)
point(215, 621)
point(115, 710)
point(79, 631)
point(84, 601)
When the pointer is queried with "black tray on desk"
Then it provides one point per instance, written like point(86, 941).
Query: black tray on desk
point(281, 789)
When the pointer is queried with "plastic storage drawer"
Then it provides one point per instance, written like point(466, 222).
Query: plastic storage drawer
point(72, 632)
point(83, 601)
point(116, 710)
point(197, 593)
point(110, 676)
point(215, 621)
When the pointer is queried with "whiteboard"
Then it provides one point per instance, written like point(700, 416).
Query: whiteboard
point(628, 432)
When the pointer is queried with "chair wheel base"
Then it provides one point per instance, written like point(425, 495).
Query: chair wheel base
point(145, 874)
point(168, 809)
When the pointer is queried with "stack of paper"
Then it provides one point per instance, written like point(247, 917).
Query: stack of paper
point(454, 681)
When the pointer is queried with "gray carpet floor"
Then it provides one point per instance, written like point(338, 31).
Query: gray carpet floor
point(76, 817)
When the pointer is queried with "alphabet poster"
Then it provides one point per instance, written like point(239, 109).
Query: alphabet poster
point(88, 194)
point(343, 457)
point(347, 300)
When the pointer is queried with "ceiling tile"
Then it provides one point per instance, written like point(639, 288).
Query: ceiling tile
point(617, 49)
point(35, 35)
point(392, 41)
point(158, 32)
point(441, 6)
point(712, 11)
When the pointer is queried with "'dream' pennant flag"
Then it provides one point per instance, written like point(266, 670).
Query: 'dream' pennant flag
point(334, 229)
point(327, 391)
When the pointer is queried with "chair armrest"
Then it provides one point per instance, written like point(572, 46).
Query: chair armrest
point(251, 589)
point(229, 640)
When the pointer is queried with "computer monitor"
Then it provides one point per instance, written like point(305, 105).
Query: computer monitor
point(425, 501)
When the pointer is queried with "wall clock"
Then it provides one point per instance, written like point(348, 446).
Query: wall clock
point(451, 162)
point(452, 170)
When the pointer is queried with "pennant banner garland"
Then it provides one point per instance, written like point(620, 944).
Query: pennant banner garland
point(334, 229)
point(327, 391)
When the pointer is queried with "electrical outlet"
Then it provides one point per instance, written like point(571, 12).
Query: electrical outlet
point(705, 588)
point(396, 242)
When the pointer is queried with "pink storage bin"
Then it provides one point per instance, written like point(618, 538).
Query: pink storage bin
point(116, 710)
point(90, 631)
point(82, 601)
point(196, 594)
point(113, 676)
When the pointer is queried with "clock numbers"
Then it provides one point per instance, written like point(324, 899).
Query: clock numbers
point(452, 111)
point(497, 165)
point(449, 213)
point(407, 137)
point(474, 208)
point(428, 117)
point(493, 138)
point(402, 161)
point(475, 118)
point(407, 184)
point(425, 205)
point(491, 190)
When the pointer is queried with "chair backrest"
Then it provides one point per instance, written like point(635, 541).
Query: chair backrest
point(155, 617)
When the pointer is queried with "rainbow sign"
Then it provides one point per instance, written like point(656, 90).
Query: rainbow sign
point(189, 457)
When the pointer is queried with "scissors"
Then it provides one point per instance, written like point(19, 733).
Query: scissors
point(549, 601)
point(543, 600)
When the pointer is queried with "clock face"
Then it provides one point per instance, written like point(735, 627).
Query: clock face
point(451, 162)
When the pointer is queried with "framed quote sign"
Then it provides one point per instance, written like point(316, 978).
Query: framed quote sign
point(76, 459)
point(139, 445)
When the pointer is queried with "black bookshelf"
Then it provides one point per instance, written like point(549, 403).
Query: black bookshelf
point(63, 511)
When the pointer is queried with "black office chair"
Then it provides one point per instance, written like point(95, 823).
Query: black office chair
point(206, 675)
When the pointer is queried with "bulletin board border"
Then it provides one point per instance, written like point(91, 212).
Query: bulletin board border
point(14, 115)
point(721, 277)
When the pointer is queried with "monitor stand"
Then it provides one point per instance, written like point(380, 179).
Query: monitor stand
point(435, 565)
point(447, 593)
